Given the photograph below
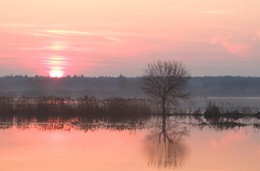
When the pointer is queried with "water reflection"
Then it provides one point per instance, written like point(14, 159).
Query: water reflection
point(77, 123)
point(110, 144)
point(166, 147)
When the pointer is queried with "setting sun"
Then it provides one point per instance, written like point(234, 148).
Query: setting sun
point(56, 73)
point(56, 66)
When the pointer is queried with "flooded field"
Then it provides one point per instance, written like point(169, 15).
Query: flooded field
point(173, 143)
point(241, 104)
point(55, 133)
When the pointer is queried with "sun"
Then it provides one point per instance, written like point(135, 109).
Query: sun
point(56, 73)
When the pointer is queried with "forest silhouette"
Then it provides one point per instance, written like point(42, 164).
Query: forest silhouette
point(121, 86)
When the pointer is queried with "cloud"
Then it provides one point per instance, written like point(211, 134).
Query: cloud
point(214, 12)
point(113, 39)
point(258, 33)
point(30, 26)
point(16, 25)
point(65, 40)
point(50, 48)
point(238, 48)
point(53, 46)
point(68, 32)
point(111, 36)
point(41, 34)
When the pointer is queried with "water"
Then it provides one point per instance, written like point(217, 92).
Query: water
point(241, 104)
point(175, 145)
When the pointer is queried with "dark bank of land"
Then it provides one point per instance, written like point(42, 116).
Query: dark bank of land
point(101, 87)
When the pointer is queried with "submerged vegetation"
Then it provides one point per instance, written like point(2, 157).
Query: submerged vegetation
point(214, 112)
point(85, 112)
point(44, 107)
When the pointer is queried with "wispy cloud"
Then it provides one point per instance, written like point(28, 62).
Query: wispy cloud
point(16, 25)
point(214, 12)
point(68, 32)
point(258, 33)
point(113, 39)
point(31, 26)
point(49, 48)
point(111, 36)
point(54, 46)
point(238, 48)
point(41, 34)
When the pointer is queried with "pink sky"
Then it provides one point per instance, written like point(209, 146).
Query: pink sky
point(57, 37)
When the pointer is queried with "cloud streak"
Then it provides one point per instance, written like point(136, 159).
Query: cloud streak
point(241, 49)
point(68, 32)
point(50, 48)
point(214, 12)
point(111, 36)
point(258, 33)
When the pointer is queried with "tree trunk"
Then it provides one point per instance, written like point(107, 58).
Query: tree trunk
point(163, 108)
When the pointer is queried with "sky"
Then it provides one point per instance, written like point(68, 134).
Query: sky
point(113, 37)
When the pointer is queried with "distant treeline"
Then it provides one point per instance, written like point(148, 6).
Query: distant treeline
point(76, 86)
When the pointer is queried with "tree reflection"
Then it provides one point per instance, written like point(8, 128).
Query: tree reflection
point(166, 148)
point(74, 123)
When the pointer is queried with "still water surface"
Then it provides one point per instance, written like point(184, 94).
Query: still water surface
point(177, 146)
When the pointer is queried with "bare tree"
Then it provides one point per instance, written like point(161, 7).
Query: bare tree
point(165, 81)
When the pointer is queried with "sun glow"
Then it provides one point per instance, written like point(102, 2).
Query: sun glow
point(56, 73)
point(56, 66)
point(57, 46)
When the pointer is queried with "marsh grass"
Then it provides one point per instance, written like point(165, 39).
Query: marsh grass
point(87, 112)
point(45, 107)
